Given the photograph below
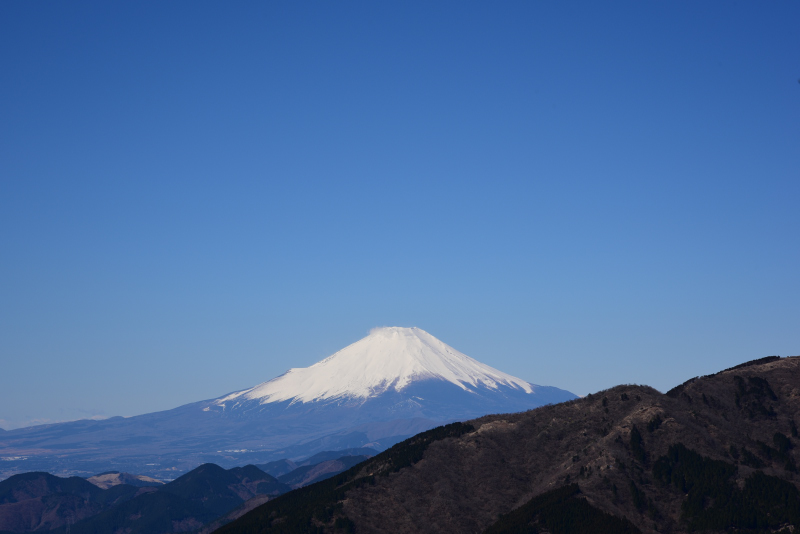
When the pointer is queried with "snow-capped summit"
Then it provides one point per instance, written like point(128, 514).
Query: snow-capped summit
point(389, 358)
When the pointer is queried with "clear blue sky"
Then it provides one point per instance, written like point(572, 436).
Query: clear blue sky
point(197, 196)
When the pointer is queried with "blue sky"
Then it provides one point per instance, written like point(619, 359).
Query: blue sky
point(197, 196)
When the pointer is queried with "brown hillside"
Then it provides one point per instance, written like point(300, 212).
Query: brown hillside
point(464, 484)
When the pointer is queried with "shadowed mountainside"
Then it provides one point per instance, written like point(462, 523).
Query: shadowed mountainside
point(41, 501)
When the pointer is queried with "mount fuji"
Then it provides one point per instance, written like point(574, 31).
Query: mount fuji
point(388, 386)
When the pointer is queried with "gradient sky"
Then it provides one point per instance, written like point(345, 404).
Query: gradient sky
point(197, 196)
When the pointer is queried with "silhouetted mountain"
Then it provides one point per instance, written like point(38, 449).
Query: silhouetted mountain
point(307, 474)
point(43, 502)
point(185, 504)
point(33, 485)
point(278, 467)
point(716, 454)
point(209, 493)
point(40, 501)
point(220, 490)
point(150, 513)
point(256, 482)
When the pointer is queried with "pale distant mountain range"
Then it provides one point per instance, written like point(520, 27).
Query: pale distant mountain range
point(384, 388)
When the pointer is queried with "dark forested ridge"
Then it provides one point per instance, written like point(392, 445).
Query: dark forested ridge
point(203, 499)
point(42, 502)
point(717, 454)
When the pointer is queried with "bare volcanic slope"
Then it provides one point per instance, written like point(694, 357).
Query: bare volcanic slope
point(716, 454)
point(375, 392)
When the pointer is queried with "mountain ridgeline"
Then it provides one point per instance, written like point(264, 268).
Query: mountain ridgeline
point(205, 498)
point(719, 453)
point(43, 502)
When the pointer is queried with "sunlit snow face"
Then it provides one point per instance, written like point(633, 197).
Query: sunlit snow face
point(388, 358)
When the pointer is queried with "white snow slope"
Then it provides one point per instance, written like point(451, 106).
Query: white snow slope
point(388, 358)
